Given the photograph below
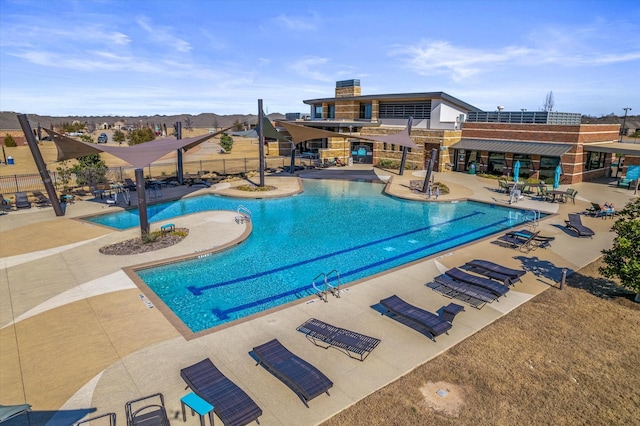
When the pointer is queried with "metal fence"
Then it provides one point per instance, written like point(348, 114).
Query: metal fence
point(164, 170)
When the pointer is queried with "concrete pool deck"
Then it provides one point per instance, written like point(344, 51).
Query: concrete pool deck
point(79, 338)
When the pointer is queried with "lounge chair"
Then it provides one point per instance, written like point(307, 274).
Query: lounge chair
point(22, 201)
point(536, 240)
point(575, 223)
point(111, 416)
point(129, 184)
point(231, 404)
point(420, 320)
point(522, 242)
point(342, 339)
point(487, 268)
point(10, 411)
point(484, 283)
point(471, 294)
point(41, 199)
point(301, 377)
point(142, 413)
point(595, 210)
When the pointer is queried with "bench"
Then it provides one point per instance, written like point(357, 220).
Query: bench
point(169, 227)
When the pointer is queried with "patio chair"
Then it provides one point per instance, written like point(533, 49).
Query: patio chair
point(595, 210)
point(22, 201)
point(141, 413)
point(301, 377)
point(5, 203)
point(484, 283)
point(487, 268)
point(231, 404)
point(575, 223)
point(571, 195)
point(503, 186)
point(129, 184)
point(8, 412)
point(350, 342)
point(420, 320)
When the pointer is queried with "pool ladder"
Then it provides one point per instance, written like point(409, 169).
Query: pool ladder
point(243, 214)
point(326, 287)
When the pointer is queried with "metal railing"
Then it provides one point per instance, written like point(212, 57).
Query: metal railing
point(33, 182)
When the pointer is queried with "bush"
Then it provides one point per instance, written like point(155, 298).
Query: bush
point(9, 141)
point(388, 164)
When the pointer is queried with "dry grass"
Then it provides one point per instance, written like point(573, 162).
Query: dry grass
point(567, 357)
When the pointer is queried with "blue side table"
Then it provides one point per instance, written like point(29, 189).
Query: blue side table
point(197, 405)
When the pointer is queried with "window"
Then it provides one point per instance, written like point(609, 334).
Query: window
point(332, 111)
point(525, 163)
point(496, 163)
point(417, 110)
point(317, 111)
point(548, 167)
point(365, 111)
point(595, 160)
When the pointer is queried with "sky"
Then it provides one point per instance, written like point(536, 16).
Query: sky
point(167, 57)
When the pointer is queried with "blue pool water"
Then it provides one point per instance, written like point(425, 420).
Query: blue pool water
point(351, 227)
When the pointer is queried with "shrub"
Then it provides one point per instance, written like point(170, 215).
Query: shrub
point(9, 141)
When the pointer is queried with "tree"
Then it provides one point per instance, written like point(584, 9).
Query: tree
point(215, 123)
point(548, 102)
point(623, 259)
point(139, 136)
point(89, 170)
point(238, 126)
point(9, 141)
point(226, 142)
point(188, 124)
point(118, 136)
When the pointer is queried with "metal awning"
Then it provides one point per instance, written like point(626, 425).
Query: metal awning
point(615, 147)
point(515, 147)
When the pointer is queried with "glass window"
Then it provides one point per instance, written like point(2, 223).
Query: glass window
point(365, 111)
point(548, 167)
point(317, 111)
point(496, 163)
point(595, 160)
point(332, 111)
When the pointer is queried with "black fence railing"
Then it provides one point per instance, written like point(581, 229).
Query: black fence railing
point(232, 166)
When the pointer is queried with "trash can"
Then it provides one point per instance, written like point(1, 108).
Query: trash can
point(472, 169)
point(10, 160)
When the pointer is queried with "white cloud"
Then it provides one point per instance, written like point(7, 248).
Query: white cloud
point(298, 23)
point(162, 35)
point(310, 68)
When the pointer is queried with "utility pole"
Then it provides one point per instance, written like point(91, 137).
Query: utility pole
point(624, 122)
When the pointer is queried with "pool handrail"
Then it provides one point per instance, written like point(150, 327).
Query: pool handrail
point(335, 290)
point(322, 294)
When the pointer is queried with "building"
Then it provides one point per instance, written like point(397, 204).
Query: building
point(466, 138)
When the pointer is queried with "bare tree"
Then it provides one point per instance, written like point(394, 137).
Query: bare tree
point(188, 123)
point(548, 102)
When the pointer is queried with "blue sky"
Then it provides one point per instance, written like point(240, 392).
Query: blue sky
point(148, 57)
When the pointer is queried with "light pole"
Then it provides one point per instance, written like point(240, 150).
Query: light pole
point(624, 121)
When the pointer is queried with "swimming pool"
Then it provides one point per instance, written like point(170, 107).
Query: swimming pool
point(351, 227)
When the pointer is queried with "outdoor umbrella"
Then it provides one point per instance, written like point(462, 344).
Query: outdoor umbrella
point(556, 177)
point(516, 171)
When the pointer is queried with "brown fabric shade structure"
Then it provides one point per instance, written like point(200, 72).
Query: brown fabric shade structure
point(304, 133)
point(139, 156)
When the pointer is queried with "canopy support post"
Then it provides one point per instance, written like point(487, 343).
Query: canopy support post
point(261, 141)
point(405, 149)
point(142, 203)
point(427, 178)
point(42, 167)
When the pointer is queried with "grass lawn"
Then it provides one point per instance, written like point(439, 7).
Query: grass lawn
point(568, 357)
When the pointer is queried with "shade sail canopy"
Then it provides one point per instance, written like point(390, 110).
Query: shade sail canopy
point(516, 147)
point(139, 156)
point(304, 133)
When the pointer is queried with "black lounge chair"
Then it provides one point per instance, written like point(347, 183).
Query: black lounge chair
point(22, 201)
point(141, 413)
point(301, 377)
point(41, 199)
point(522, 242)
point(464, 291)
point(420, 320)
point(575, 223)
point(231, 404)
point(10, 411)
point(484, 283)
point(536, 239)
point(129, 184)
point(493, 270)
point(342, 339)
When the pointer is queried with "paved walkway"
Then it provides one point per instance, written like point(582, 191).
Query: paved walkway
point(78, 337)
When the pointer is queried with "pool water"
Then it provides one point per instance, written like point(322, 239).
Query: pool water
point(351, 227)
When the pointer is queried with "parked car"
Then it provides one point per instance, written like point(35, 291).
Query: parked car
point(103, 138)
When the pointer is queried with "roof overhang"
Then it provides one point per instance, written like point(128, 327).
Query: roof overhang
point(615, 147)
point(515, 147)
